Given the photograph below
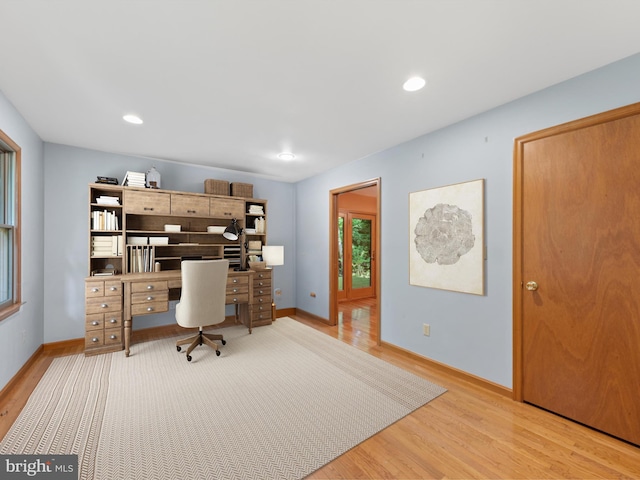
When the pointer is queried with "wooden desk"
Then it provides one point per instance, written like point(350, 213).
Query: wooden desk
point(148, 293)
point(112, 302)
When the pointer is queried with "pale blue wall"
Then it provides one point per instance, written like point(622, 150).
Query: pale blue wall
point(69, 170)
point(22, 333)
point(471, 333)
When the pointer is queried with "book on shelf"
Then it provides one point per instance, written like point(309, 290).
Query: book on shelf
point(140, 258)
point(104, 220)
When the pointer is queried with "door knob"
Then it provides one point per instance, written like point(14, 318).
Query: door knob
point(531, 286)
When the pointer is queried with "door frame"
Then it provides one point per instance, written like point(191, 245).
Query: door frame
point(333, 248)
point(518, 190)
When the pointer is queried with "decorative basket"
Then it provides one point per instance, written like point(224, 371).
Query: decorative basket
point(216, 187)
point(242, 190)
point(258, 265)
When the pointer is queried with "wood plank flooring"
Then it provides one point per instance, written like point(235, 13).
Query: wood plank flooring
point(469, 432)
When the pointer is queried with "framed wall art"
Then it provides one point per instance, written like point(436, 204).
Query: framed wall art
point(446, 237)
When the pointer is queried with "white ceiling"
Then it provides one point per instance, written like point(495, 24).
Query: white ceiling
point(231, 83)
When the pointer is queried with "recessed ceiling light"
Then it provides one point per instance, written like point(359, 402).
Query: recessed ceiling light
point(136, 120)
point(413, 84)
point(286, 156)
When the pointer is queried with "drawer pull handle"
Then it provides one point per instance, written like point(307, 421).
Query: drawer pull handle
point(191, 211)
point(149, 309)
point(113, 289)
point(113, 320)
point(95, 323)
point(148, 208)
point(95, 289)
point(235, 280)
point(235, 290)
point(113, 337)
point(95, 339)
point(104, 305)
point(149, 298)
point(149, 287)
point(235, 300)
point(260, 284)
point(260, 275)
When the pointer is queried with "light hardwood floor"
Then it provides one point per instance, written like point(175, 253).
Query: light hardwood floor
point(469, 432)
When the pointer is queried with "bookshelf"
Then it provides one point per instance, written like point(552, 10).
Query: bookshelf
point(133, 229)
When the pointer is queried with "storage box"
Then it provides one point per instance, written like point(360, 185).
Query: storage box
point(172, 228)
point(158, 240)
point(216, 187)
point(242, 190)
point(137, 240)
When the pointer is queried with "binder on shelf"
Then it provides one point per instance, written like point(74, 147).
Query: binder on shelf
point(140, 258)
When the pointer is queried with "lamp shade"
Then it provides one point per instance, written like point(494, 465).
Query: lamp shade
point(232, 232)
point(273, 255)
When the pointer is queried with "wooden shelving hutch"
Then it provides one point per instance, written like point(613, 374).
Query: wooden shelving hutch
point(128, 235)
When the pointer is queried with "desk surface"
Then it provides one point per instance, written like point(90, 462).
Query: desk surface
point(174, 280)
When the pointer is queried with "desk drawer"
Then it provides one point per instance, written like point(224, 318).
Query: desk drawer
point(237, 280)
point(259, 291)
point(238, 298)
point(107, 288)
point(261, 318)
point(139, 287)
point(261, 299)
point(150, 297)
point(113, 336)
point(237, 289)
point(94, 322)
point(94, 338)
point(262, 283)
point(97, 321)
point(149, 307)
point(103, 305)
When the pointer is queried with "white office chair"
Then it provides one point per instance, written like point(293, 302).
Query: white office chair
point(202, 301)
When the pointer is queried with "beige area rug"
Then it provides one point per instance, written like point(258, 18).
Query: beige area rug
point(277, 404)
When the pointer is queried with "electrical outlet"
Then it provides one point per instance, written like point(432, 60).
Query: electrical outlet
point(278, 292)
point(313, 294)
point(426, 329)
point(172, 304)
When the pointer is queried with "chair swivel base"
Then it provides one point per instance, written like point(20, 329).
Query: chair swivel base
point(199, 339)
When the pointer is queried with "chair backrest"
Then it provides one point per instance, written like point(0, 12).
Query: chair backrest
point(203, 296)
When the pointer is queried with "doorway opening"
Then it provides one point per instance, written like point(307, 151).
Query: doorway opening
point(354, 285)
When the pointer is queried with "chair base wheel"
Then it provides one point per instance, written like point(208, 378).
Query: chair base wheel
point(188, 358)
point(218, 353)
point(179, 348)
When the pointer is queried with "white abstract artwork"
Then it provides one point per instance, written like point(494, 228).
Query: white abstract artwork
point(446, 237)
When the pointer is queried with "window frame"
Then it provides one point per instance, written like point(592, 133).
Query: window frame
point(7, 145)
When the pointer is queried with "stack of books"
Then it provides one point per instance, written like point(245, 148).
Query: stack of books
point(107, 200)
point(106, 246)
point(135, 179)
point(256, 210)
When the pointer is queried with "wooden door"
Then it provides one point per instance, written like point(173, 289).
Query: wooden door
point(577, 236)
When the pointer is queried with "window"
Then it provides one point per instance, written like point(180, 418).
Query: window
point(9, 226)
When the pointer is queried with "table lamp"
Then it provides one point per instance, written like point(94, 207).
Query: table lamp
point(233, 233)
point(273, 256)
